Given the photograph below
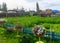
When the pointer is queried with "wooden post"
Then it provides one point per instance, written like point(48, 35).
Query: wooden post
point(53, 35)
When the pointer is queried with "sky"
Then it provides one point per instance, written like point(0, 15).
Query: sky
point(31, 4)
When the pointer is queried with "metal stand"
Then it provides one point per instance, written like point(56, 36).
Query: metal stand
point(39, 39)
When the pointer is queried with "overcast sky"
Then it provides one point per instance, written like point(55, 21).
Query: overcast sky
point(31, 4)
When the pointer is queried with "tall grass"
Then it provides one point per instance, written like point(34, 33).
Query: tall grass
point(30, 22)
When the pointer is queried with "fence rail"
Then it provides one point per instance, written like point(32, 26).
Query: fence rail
point(54, 35)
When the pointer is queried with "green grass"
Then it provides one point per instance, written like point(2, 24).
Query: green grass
point(47, 22)
point(31, 21)
point(35, 19)
point(4, 39)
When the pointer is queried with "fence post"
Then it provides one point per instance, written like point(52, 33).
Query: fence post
point(50, 34)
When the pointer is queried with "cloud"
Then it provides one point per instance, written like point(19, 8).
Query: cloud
point(11, 4)
point(33, 0)
point(31, 4)
point(46, 4)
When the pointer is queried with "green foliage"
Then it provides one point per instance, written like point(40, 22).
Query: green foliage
point(30, 21)
point(34, 19)
point(47, 22)
point(47, 26)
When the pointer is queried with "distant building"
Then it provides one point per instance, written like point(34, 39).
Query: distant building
point(43, 13)
point(11, 13)
point(48, 11)
point(21, 12)
point(31, 13)
point(57, 14)
point(55, 11)
point(2, 13)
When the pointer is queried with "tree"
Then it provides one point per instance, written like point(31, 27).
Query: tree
point(0, 7)
point(4, 7)
point(37, 6)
